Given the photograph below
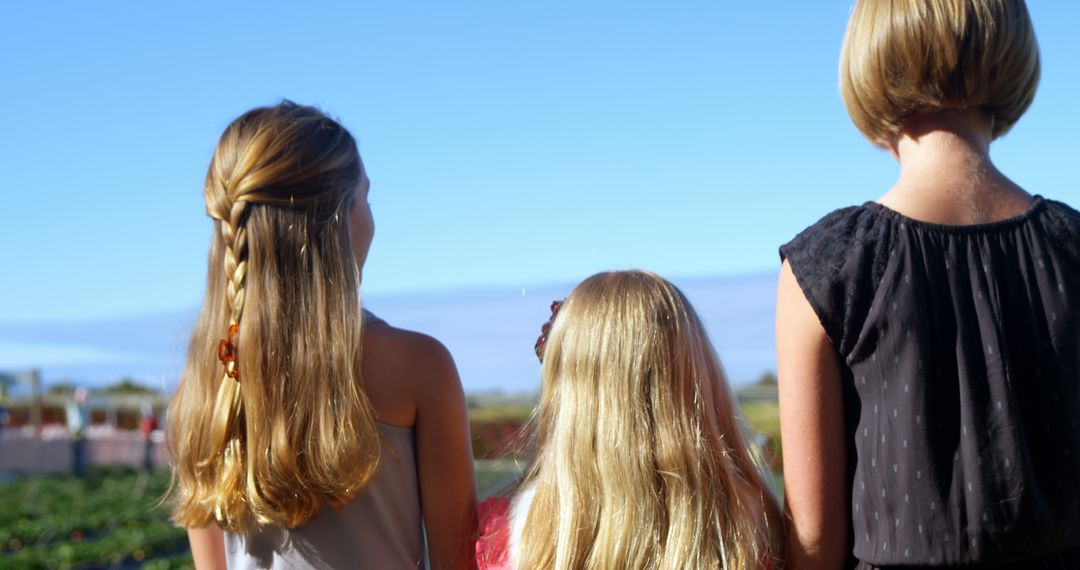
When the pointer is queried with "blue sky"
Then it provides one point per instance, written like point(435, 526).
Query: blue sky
point(510, 144)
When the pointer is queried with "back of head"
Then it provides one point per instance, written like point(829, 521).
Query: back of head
point(640, 460)
point(903, 58)
point(270, 423)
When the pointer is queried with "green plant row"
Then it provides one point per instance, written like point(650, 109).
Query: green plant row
point(122, 545)
point(39, 510)
point(178, 562)
point(110, 517)
point(32, 496)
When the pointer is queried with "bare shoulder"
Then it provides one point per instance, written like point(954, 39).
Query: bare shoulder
point(407, 353)
point(403, 369)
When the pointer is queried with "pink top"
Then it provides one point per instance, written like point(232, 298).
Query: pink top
point(493, 544)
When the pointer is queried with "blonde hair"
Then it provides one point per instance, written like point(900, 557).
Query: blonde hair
point(903, 58)
point(640, 460)
point(295, 431)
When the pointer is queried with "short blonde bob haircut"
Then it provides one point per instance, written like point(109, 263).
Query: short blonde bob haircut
point(903, 58)
point(641, 462)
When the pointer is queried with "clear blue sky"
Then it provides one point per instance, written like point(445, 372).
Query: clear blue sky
point(509, 143)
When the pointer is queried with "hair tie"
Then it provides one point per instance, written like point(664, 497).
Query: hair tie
point(546, 328)
point(227, 353)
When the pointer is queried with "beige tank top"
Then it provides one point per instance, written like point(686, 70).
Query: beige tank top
point(381, 527)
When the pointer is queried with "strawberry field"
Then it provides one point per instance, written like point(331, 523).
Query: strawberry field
point(107, 519)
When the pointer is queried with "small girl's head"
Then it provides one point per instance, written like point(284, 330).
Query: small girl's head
point(904, 58)
point(640, 459)
point(270, 423)
point(629, 343)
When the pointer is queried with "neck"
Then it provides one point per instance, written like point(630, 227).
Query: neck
point(955, 143)
point(946, 174)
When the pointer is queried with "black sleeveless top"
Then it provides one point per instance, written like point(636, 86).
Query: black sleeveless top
point(960, 351)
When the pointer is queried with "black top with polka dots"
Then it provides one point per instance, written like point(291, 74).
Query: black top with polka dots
point(960, 351)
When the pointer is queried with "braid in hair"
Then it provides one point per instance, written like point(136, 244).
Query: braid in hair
point(234, 235)
point(235, 238)
point(228, 422)
point(286, 428)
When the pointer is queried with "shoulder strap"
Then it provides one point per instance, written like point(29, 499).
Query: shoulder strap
point(369, 318)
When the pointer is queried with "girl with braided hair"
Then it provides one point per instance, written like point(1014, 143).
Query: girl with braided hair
point(306, 432)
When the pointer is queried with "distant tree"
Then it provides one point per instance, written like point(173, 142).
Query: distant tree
point(61, 389)
point(767, 379)
point(5, 383)
point(129, 386)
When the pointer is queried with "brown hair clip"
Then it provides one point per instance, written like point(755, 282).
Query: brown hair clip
point(546, 328)
point(227, 353)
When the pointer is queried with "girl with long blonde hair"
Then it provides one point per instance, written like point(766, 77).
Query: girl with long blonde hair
point(312, 433)
point(640, 460)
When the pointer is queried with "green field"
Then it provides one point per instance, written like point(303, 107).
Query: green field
point(763, 417)
point(519, 414)
point(111, 518)
point(496, 477)
point(107, 519)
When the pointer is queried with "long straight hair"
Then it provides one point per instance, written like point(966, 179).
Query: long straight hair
point(640, 460)
point(293, 431)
